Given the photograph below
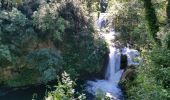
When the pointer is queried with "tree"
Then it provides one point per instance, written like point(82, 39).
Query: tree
point(168, 11)
point(8, 4)
point(47, 62)
point(151, 18)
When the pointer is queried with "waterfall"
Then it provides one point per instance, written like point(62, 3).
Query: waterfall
point(113, 74)
point(114, 64)
point(109, 86)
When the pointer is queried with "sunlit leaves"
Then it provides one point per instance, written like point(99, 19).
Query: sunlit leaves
point(47, 20)
point(65, 90)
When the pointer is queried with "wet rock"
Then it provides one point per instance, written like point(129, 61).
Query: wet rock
point(124, 62)
point(103, 5)
point(128, 74)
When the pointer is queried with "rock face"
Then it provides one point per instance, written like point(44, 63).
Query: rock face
point(129, 72)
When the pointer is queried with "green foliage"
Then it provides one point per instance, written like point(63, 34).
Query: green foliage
point(84, 55)
point(82, 49)
point(32, 42)
point(166, 40)
point(151, 18)
point(161, 9)
point(49, 22)
point(16, 31)
point(25, 77)
point(47, 62)
point(65, 90)
point(160, 58)
point(149, 84)
point(151, 80)
point(5, 56)
point(167, 11)
point(129, 20)
point(164, 36)
point(102, 96)
point(152, 77)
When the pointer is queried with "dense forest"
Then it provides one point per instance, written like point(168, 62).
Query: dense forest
point(46, 40)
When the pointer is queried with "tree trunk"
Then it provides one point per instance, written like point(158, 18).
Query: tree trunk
point(168, 12)
point(2, 4)
point(151, 18)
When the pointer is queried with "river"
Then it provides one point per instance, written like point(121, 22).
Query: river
point(26, 93)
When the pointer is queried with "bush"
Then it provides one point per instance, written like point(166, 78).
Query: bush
point(5, 56)
point(83, 54)
point(16, 31)
point(65, 90)
point(49, 22)
point(32, 42)
point(47, 62)
point(25, 77)
point(151, 82)
point(82, 49)
point(164, 36)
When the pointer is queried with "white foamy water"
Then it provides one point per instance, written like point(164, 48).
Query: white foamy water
point(131, 53)
point(113, 74)
point(101, 22)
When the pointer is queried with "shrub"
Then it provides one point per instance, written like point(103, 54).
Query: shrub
point(49, 22)
point(5, 56)
point(151, 82)
point(47, 62)
point(65, 90)
point(164, 36)
point(16, 31)
point(25, 77)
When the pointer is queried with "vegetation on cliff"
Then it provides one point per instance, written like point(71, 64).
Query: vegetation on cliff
point(144, 24)
point(39, 39)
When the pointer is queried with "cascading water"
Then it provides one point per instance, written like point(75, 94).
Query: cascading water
point(113, 74)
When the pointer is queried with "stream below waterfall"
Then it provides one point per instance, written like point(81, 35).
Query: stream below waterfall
point(27, 93)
